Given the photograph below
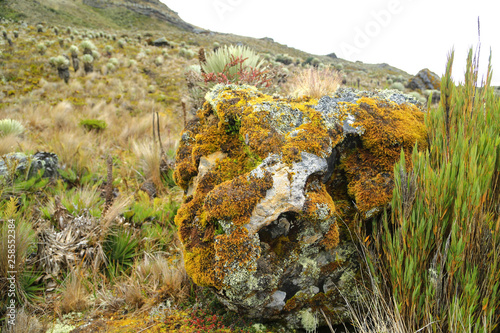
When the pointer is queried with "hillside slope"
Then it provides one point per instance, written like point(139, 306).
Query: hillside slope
point(157, 19)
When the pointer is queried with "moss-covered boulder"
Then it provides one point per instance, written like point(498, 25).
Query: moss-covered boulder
point(273, 188)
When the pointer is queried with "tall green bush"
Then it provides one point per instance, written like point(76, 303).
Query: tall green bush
point(438, 251)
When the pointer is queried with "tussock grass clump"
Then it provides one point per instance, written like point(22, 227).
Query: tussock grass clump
point(74, 294)
point(313, 82)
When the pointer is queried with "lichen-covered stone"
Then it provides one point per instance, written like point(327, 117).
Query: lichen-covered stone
point(14, 164)
point(272, 188)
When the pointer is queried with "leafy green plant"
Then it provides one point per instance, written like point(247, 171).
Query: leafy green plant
point(157, 237)
point(93, 124)
point(157, 210)
point(10, 127)
point(22, 185)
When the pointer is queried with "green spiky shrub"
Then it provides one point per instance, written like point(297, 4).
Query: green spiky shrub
point(437, 254)
point(10, 127)
point(120, 248)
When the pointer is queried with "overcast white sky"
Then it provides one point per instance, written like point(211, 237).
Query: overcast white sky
point(408, 34)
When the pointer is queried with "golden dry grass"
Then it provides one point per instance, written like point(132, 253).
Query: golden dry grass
point(313, 82)
point(74, 296)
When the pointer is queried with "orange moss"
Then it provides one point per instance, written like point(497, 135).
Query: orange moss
point(262, 138)
point(389, 127)
point(312, 136)
point(318, 202)
point(331, 239)
point(291, 304)
point(199, 264)
point(235, 200)
point(233, 251)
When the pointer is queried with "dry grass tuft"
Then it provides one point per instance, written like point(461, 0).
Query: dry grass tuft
point(133, 294)
point(313, 82)
point(149, 156)
point(74, 295)
point(8, 143)
point(162, 275)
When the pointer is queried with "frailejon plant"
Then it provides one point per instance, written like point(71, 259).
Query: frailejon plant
point(10, 127)
point(438, 252)
point(62, 65)
point(41, 48)
point(234, 64)
point(235, 72)
point(88, 63)
point(74, 51)
point(87, 46)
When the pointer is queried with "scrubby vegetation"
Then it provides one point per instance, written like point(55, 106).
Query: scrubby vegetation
point(99, 242)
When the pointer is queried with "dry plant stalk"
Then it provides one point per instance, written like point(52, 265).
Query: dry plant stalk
point(109, 186)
